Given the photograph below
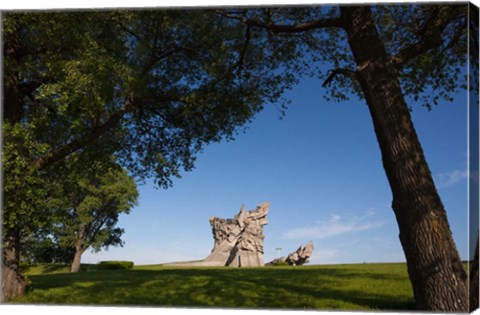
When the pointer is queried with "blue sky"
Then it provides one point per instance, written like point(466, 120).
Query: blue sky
point(320, 169)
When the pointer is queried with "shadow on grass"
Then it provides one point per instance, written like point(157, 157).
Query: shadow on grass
point(287, 288)
point(52, 268)
point(44, 268)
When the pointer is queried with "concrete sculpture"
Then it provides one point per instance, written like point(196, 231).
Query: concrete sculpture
point(238, 242)
point(298, 257)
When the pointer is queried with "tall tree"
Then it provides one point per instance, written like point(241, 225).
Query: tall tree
point(87, 197)
point(94, 197)
point(151, 87)
point(385, 54)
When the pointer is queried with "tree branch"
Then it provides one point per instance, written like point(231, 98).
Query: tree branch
point(58, 153)
point(430, 35)
point(339, 71)
point(239, 63)
point(91, 234)
point(421, 46)
point(458, 34)
point(285, 28)
point(129, 104)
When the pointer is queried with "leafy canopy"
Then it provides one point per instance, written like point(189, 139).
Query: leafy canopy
point(91, 201)
point(150, 87)
point(154, 87)
point(426, 42)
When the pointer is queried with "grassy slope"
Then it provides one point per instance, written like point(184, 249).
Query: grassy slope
point(363, 286)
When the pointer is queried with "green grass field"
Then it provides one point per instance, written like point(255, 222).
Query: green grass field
point(326, 287)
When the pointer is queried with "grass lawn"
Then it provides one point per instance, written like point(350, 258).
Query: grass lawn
point(347, 287)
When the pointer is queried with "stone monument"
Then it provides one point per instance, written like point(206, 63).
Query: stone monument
point(238, 242)
point(298, 257)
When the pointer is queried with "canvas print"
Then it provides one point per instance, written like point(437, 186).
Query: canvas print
point(295, 157)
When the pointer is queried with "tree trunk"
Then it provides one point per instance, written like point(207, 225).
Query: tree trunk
point(438, 279)
point(76, 261)
point(474, 281)
point(79, 248)
point(12, 97)
point(13, 284)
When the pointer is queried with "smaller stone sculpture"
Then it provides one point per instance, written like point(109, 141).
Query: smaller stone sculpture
point(297, 258)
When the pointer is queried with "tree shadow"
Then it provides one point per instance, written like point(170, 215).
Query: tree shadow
point(51, 268)
point(265, 288)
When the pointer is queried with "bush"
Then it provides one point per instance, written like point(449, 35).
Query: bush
point(280, 263)
point(115, 265)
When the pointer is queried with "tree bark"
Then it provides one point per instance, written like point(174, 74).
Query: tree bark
point(474, 281)
point(79, 248)
point(13, 284)
point(434, 266)
point(76, 261)
point(12, 97)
